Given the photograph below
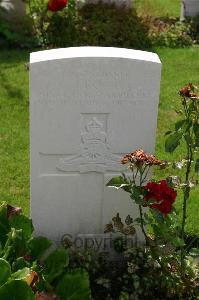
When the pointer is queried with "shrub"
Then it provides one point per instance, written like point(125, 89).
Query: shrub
point(26, 273)
point(106, 25)
point(53, 28)
point(99, 24)
point(170, 33)
point(21, 36)
point(61, 30)
point(177, 275)
point(93, 24)
point(194, 28)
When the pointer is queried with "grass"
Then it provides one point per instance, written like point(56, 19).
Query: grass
point(158, 8)
point(180, 66)
point(14, 132)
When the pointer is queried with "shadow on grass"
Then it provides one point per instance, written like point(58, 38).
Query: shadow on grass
point(192, 241)
point(10, 75)
point(12, 91)
point(13, 57)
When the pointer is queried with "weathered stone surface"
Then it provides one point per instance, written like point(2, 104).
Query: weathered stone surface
point(13, 10)
point(88, 107)
point(189, 8)
point(118, 3)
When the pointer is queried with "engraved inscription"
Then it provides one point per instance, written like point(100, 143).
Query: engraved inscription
point(94, 141)
point(95, 153)
point(137, 96)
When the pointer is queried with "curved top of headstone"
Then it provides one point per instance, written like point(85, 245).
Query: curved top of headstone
point(74, 52)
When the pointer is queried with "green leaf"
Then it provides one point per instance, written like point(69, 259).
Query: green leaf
point(138, 220)
point(24, 223)
point(124, 296)
point(179, 124)
point(197, 166)
point(168, 132)
point(137, 194)
point(177, 241)
point(74, 285)
point(179, 112)
point(19, 263)
point(55, 264)
point(136, 281)
point(194, 252)
point(15, 244)
point(119, 182)
point(16, 290)
point(196, 133)
point(173, 141)
point(192, 107)
point(4, 224)
point(37, 246)
point(21, 274)
point(188, 139)
point(148, 218)
point(5, 271)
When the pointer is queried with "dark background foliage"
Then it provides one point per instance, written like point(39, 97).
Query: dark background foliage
point(98, 24)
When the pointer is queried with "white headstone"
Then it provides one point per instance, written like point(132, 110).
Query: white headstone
point(13, 10)
point(88, 107)
point(189, 8)
point(118, 3)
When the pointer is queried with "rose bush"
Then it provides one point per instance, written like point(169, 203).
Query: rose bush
point(53, 21)
point(60, 24)
point(28, 270)
point(166, 239)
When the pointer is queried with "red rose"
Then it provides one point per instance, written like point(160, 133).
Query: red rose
point(55, 5)
point(167, 193)
point(153, 191)
point(162, 194)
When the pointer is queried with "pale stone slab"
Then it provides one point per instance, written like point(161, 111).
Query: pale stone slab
point(88, 107)
point(189, 8)
point(118, 3)
point(13, 10)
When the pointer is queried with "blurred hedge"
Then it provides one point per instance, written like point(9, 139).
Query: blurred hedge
point(98, 25)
